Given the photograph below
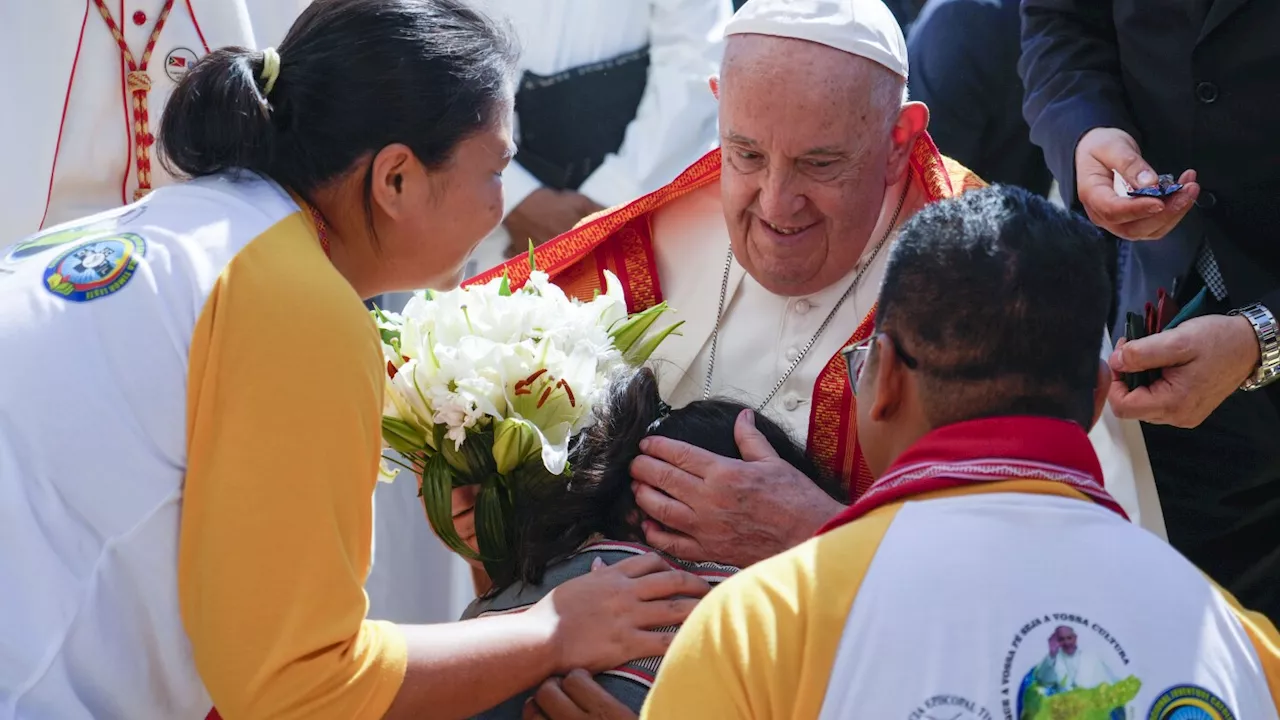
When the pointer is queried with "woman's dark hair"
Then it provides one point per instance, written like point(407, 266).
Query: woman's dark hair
point(355, 76)
point(553, 520)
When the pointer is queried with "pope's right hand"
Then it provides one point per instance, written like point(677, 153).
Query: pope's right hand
point(605, 618)
point(1102, 150)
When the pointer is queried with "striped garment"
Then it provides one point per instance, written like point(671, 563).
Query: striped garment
point(629, 683)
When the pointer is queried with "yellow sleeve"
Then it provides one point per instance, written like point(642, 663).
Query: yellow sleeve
point(762, 644)
point(1266, 641)
point(283, 439)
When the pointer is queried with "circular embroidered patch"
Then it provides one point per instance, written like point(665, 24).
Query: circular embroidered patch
point(179, 63)
point(96, 268)
point(1189, 702)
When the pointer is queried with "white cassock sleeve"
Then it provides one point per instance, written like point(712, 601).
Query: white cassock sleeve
point(1126, 468)
point(272, 19)
point(676, 121)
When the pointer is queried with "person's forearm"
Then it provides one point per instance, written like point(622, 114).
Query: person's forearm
point(457, 670)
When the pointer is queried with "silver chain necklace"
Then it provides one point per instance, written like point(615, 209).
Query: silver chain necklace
point(724, 290)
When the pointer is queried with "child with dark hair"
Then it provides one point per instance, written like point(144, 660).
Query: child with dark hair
point(563, 530)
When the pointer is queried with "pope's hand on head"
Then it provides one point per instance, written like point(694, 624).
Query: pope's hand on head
point(704, 507)
point(544, 214)
point(1102, 150)
point(607, 617)
point(575, 697)
point(1202, 361)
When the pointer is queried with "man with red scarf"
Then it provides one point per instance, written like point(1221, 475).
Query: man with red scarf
point(987, 528)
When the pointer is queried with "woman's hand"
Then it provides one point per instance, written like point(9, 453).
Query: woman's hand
point(605, 618)
point(576, 697)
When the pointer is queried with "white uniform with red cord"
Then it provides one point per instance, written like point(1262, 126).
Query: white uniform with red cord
point(69, 128)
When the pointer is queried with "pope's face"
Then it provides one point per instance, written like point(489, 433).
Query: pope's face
point(805, 160)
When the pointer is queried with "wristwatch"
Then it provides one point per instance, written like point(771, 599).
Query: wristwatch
point(1264, 324)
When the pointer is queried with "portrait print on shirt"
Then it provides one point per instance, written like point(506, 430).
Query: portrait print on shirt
point(1062, 665)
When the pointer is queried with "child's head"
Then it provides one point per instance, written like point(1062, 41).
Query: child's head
point(598, 497)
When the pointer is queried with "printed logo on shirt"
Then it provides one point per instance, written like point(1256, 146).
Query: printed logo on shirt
point(1062, 665)
point(178, 63)
point(1189, 702)
point(95, 269)
point(48, 240)
point(950, 707)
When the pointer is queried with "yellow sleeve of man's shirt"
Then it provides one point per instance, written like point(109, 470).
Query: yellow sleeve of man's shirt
point(283, 422)
point(1266, 640)
point(762, 645)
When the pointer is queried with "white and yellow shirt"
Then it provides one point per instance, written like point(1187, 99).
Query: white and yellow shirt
point(944, 607)
point(190, 404)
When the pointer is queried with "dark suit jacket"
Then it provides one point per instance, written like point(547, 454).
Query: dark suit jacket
point(964, 66)
point(1197, 84)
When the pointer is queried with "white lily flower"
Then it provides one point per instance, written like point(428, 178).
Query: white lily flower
point(477, 358)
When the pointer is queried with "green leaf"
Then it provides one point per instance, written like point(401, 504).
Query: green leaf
point(504, 290)
point(491, 521)
point(437, 498)
point(639, 354)
point(533, 262)
point(455, 457)
point(402, 437)
point(629, 331)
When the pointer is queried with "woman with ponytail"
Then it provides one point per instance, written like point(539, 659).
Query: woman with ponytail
point(190, 413)
point(566, 531)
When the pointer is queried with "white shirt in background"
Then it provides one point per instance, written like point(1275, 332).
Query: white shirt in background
point(675, 123)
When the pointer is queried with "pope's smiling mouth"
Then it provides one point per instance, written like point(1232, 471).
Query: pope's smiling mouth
point(785, 231)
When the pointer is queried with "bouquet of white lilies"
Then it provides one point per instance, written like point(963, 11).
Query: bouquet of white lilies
point(487, 386)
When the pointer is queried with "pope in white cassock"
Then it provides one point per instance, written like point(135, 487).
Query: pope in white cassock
point(772, 249)
point(1067, 667)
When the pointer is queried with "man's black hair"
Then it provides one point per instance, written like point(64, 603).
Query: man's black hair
point(1002, 298)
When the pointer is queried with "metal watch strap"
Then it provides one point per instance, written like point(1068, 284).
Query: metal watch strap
point(1264, 324)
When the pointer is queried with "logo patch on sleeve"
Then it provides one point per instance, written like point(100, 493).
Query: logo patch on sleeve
point(1189, 702)
point(96, 268)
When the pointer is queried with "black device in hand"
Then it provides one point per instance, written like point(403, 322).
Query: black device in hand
point(1164, 315)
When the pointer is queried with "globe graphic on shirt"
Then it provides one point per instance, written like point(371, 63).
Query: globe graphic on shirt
point(1190, 713)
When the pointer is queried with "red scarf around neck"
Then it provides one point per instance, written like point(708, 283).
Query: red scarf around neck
point(988, 450)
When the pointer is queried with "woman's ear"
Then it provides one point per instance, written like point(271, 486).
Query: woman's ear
point(392, 168)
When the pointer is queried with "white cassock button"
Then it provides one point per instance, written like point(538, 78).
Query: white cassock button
point(791, 403)
point(802, 306)
point(792, 354)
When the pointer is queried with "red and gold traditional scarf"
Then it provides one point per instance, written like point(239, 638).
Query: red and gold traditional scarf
point(988, 450)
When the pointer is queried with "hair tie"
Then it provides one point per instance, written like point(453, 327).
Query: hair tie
point(664, 410)
point(270, 70)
